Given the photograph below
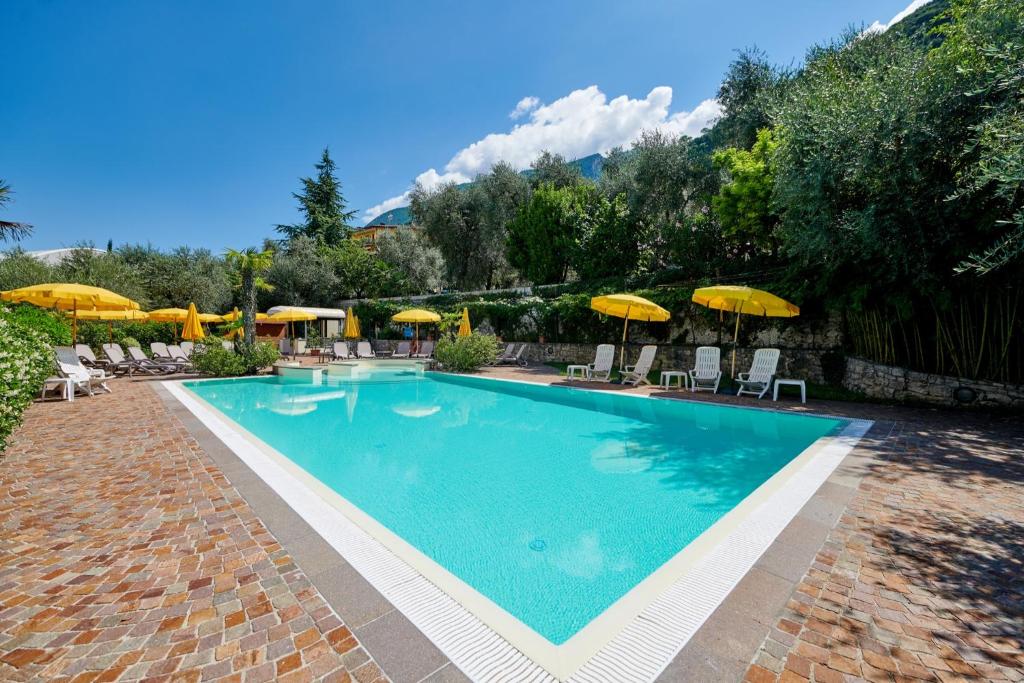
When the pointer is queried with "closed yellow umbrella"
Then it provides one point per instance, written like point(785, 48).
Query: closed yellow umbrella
point(628, 307)
point(351, 330)
point(111, 316)
point(69, 296)
point(192, 329)
point(416, 316)
point(739, 300)
point(464, 329)
point(358, 325)
point(290, 317)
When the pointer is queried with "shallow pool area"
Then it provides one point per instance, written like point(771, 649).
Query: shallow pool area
point(552, 503)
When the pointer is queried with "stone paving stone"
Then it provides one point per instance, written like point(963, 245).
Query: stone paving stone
point(127, 554)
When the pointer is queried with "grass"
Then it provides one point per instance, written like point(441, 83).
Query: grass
point(819, 392)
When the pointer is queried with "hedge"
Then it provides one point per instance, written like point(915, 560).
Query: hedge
point(26, 359)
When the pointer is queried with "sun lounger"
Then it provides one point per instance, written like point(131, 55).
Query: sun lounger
point(84, 378)
point(426, 350)
point(402, 350)
point(758, 381)
point(152, 367)
point(88, 358)
point(178, 356)
point(604, 359)
point(707, 369)
point(637, 374)
point(227, 345)
point(505, 355)
point(514, 359)
point(340, 350)
point(364, 350)
point(187, 347)
point(116, 360)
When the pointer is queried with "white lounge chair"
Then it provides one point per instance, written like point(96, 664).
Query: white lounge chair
point(159, 351)
point(364, 350)
point(426, 350)
point(88, 358)
point(758, 381)
point(515, 359)
point(637, 374)
point(707, 369)
point(402, 350)
point(604, 359)
point(152, 367)
point(116, 360)
point(178, 356)
point(227, 345)
point(340, 350)
point(84, 378)
point(187, 347)
point(505, 355)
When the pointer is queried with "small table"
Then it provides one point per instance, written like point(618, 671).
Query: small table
point(682, 377)
point(65, 384)
point(582, 370)
point(793, 383)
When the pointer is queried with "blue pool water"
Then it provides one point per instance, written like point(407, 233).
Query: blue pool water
point(552, 502)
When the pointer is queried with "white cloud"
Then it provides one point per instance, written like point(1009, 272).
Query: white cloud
point(879, 27)
point(581, 123)
point(524, 106)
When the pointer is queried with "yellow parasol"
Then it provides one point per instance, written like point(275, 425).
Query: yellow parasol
point(206, 318)
point(290, 317)
point(111, 316)
point(169, 315)
point(351, 330)
point(192, 329)
point(416, 316)
point(739, 299)
point(464, 329)
point(628, 307)
point(65, 296)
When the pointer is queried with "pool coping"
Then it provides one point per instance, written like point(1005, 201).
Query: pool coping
point(760, 569)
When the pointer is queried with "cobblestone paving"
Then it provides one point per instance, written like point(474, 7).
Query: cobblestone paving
point(125, 554)
point(923, 576)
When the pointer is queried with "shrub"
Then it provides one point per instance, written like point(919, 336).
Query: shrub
point(54, 327)
point(128, 342)
point(466, 354)
point(210, 358)
point(26, 359)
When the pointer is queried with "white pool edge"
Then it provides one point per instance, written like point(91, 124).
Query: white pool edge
point(661, 614)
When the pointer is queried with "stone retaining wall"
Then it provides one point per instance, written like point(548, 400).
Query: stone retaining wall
point(901, 385)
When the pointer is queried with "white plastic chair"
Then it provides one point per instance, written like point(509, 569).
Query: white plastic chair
point(707, 369)
point(364, 350)
point(604, 359)
point(637, 374)
point(758, 381)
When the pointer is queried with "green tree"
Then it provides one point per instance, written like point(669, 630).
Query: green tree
point(11, 230)
point(302, 275)
point(542, 238)
point(357, 272)
point(103, 269)
point(416, 264)
point(249, 266)
point(553, 169)
point(748, 94)
point(173, 279)
point(606, 244)
point(323, 207)
point(743, 204)
point(18, 269)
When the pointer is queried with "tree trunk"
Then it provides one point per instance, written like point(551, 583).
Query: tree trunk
point(249, 306)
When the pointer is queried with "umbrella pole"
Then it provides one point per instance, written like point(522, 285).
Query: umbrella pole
point(735, 340)
point(74, 322)
point(625, 330)
point(110, 331)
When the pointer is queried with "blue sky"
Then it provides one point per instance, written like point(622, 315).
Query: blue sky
point(190, 122)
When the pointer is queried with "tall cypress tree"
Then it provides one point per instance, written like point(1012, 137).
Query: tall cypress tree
point(323, 206)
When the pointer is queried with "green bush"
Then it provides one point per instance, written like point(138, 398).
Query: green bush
point(96, 334)
point(466, 354)
point(129, 342)
point(54, 327)
point(26, 359)
point(210, 358)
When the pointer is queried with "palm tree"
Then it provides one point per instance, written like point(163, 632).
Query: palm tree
point(249, 265)
point(9, 230)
